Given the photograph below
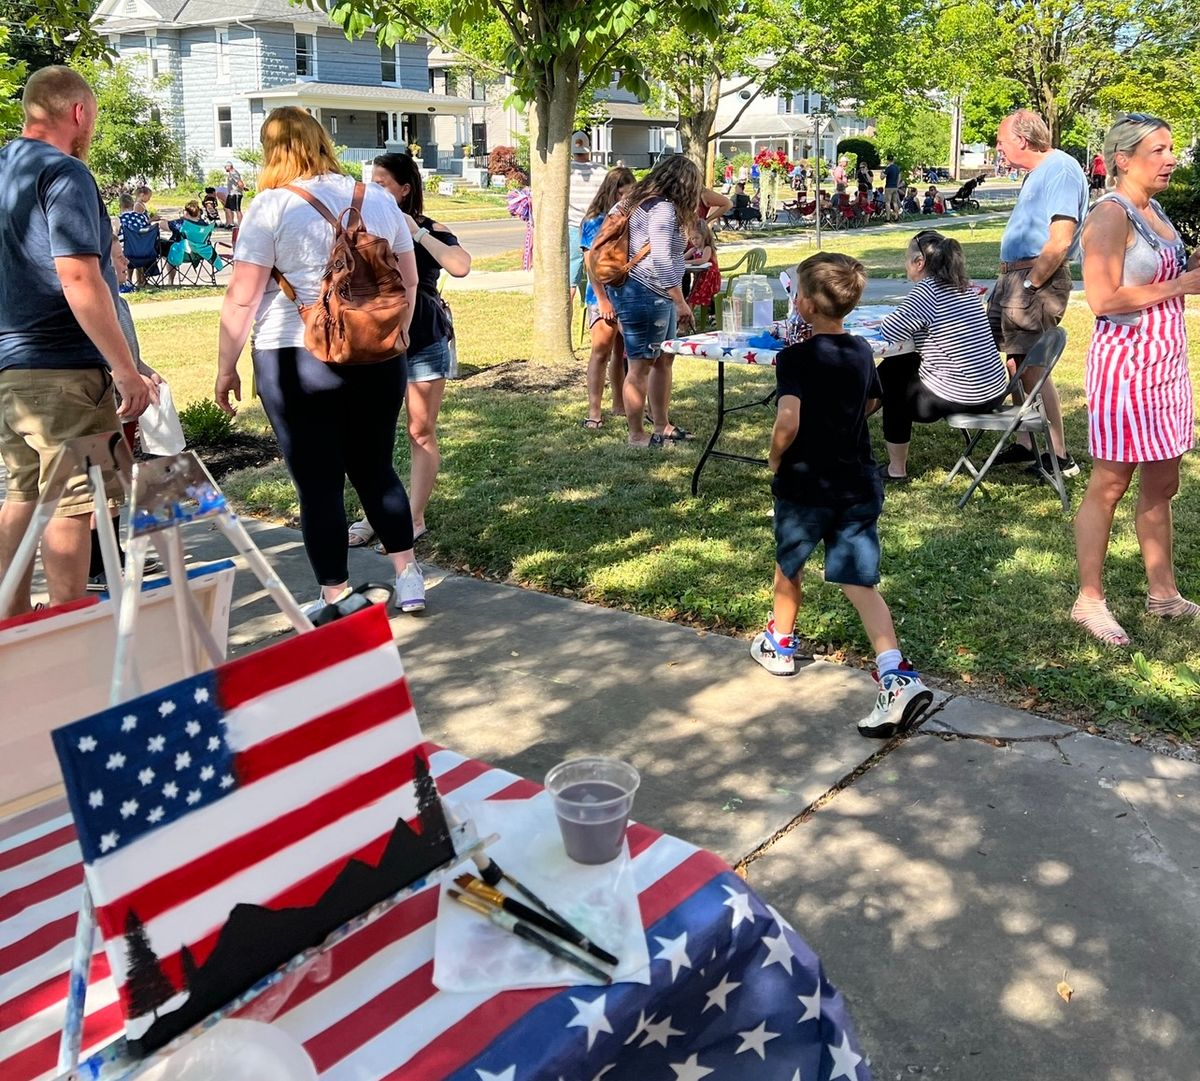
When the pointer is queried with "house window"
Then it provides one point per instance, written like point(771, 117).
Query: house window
point(306, 56)
point(333, 125)
point(151, 59)
point(478, 90)
point(222, 54)
point(387, 63)
point(224, 127)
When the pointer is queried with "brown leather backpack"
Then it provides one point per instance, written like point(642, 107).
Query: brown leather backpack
point(359, 314)
point(608, 259)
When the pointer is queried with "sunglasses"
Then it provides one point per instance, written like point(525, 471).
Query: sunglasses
point(1136, 118)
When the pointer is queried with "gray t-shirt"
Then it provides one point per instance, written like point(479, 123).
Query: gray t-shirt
point(1056, 188)
point(52, 208)
point(586, 179)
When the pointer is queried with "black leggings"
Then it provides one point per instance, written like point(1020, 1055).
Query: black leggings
point(333, 422)
point(907, 399)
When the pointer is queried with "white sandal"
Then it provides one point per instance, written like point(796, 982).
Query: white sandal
point(361, 534)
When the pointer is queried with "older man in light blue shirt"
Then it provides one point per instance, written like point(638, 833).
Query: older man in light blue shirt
point(1040, 240)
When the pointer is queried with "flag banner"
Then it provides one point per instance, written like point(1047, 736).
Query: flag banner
point(234, 819)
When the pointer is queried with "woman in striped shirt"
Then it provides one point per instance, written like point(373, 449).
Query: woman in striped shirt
point(956, 367)
point(650, 304)
point(1139, 393)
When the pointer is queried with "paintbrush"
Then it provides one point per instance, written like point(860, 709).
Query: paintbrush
point(508, 922)
point(492, 873)
point(524, 912)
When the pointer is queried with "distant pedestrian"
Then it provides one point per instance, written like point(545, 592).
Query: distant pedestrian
point(235, 186)
point(1099, 173)
point(838, 173)
point(864, 175)
point(891, 187)
point(827, 487)
point(1039, 242)
point(62, 352)
point(1139, 392)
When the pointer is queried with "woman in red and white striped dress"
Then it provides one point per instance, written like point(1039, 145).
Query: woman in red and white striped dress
point(1139, 394)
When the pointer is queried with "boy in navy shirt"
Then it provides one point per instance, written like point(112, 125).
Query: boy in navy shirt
point(827, 487)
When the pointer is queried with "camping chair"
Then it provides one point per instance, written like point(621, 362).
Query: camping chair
point(141, 252)
point(193, 253)
point(1029, 415)
point(755, 261)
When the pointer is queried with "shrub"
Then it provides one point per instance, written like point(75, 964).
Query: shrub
point(431, 183)
point(504, 161)
point(205, 424)
point(1181, 202)
point(862, 149)
point(352, 168)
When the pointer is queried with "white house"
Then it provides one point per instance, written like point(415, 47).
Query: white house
point(799, 121)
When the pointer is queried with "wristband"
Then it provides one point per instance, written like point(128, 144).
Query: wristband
point(419, 235)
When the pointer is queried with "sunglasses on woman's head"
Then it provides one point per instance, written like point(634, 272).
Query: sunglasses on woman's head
point(1135, 118)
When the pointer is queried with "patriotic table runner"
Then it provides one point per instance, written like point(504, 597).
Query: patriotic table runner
point(735, 994)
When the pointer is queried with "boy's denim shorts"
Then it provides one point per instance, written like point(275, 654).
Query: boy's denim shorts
point(849, 533)
point(647, 318)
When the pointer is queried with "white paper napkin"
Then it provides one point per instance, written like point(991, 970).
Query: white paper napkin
point(471, 954)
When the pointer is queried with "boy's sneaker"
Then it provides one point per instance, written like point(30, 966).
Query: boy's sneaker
point(1067, 466)
point(901, 700)
point(776, 653)
point(410, 589)
point(1015, 454)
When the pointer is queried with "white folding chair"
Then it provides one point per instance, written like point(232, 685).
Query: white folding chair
point(1029, 416)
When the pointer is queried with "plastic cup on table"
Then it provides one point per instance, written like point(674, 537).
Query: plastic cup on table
point(728, 332)
point(592, 799)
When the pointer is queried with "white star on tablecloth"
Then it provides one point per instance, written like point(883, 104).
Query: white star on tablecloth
point(505, 1075)
point(660, 1033)
point(193, 796)
point(156, 743)
point(589, 1015)
point(170, 790)
point(227, 780)
point(214, 743)
point(675, 951)
point(146, 775)
point(739, 902)
point(756, 1039)
point(845, 1060)
point(778, 952)
point(128, 722)
point(796, 1076)
point(115, 761)
point(207, 773)
point(639, 1028)
point(812, 1005)
point(718, 995)
point(129, 808)
point(201, 695)
point(155, 815)
point(96, 798)
point(192, 728)
point(87, 743)
point(182, 760)
point(691, 1070)
point(109, 840)
point(165, 709)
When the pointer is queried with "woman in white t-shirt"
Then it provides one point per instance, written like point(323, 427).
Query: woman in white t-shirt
point(332, 421)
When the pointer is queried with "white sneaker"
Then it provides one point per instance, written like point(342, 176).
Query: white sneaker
point(901, 701)
point(775, 654)
point(410, 589)
point(315, 608)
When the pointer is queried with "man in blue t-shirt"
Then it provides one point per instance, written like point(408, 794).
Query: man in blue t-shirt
point(891, 187)
point(1039, 242)
point(62, 351)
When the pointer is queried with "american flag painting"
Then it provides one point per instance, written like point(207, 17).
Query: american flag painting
point(232, 820)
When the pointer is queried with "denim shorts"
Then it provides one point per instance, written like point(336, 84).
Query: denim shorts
point(647, 319)
point(432, 362)
point(849, 533)
point(575, 252)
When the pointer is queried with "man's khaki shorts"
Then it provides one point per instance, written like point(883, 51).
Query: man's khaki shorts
point(40, 409)
point(1019, 316)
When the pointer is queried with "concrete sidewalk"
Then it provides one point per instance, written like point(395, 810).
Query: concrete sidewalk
point(948, 881)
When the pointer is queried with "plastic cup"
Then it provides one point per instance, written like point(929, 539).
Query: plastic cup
point(592, 798)
point(728, 333)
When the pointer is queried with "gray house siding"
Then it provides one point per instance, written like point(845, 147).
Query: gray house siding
point(277, 45)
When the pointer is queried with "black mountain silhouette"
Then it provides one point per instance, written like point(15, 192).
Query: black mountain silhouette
point(256, 940)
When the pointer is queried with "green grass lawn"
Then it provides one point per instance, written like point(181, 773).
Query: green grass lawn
point(467, 206)
point(980, 596)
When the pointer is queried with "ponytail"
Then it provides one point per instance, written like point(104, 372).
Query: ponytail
point(944, 259)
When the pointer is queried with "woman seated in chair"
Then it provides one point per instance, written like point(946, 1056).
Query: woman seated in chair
point(910, 205)
point(956, 367)
point(195, 241)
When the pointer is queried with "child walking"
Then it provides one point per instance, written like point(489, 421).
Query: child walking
point(827, 487)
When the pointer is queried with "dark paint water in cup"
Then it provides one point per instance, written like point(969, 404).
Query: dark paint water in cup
point(592, 799)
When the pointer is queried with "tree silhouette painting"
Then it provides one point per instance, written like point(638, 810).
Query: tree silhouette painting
point(146, 985)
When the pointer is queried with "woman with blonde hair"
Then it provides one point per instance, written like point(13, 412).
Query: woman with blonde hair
point(332, 421)
point(1139, 393)
point(650, 304)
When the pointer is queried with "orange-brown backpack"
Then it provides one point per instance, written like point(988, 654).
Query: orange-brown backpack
point(608, 258)
point(359, 316)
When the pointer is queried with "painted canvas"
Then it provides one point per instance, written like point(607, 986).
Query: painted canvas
point(234, 819)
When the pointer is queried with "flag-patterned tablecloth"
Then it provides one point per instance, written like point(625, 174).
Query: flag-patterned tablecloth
point(735, 992)
point(863, 321)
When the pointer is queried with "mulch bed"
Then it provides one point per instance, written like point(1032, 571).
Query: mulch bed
point(237, 452)
point(521, 377)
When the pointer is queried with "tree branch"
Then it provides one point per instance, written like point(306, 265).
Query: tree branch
point(733, 123)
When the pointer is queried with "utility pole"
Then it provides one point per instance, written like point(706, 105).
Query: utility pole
point(817, 173)
point(956, 136)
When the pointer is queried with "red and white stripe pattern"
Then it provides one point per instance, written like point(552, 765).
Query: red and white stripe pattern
point(374, 1012)
point(1139, 392)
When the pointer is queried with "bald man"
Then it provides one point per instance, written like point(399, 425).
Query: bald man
point(62, 351)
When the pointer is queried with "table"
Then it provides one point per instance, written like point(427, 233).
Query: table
point(734, 989)
point(863, 321)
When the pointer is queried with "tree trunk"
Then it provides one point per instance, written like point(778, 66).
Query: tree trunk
point(696, 120)
point(550, 123)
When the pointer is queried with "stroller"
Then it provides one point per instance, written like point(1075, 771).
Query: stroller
point(964, 198)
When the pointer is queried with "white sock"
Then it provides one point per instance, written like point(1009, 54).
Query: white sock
point(888, 661)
